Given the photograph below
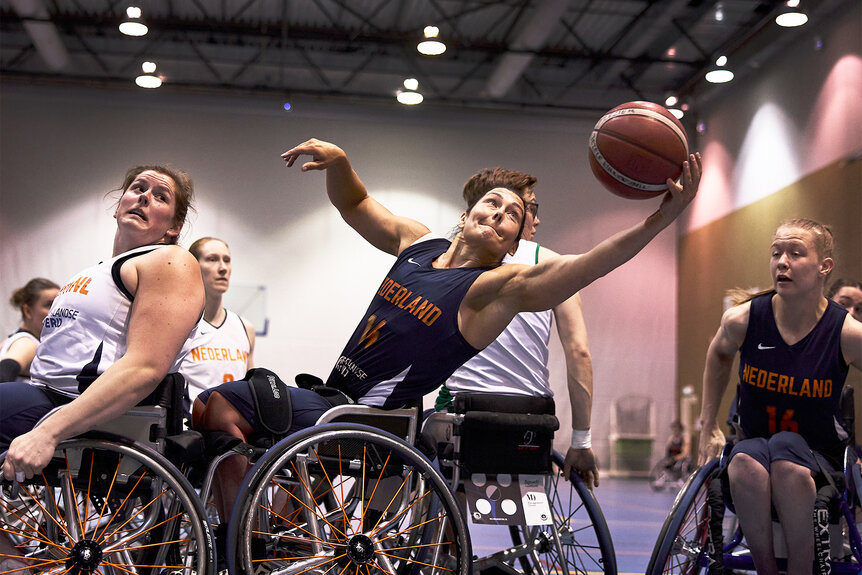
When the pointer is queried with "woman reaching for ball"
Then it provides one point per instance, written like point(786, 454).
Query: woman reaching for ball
point(442, 301)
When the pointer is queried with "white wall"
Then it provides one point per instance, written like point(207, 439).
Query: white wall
point(62, 149)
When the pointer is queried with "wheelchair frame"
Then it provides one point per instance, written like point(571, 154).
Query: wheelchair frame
point(684, 545)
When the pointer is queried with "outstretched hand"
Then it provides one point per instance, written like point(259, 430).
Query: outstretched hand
point(323, 155)
point(680, 194)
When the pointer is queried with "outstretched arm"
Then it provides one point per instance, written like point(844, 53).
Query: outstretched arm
point(499, 294)
point(716, 375)
point(380, 227)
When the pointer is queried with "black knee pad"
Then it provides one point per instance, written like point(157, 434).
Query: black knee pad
point(271, 400)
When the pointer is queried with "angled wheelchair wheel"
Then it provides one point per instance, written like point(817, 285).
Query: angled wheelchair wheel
point(681, 547)
point(578, 542)
point(105, 504)
point(346, 498)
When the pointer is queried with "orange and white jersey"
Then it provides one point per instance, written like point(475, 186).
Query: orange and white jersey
point(85, 331)
point(219, 354)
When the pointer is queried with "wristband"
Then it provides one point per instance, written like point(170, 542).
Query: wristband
point(581, 439)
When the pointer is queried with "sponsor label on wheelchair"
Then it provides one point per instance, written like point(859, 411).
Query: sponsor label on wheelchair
point(505, 499)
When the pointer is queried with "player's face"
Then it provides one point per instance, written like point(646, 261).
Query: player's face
point(795, 264)
point(495, 220)
point(850, 298)
point(34, 315)
point(148, 207)
point(215, 267)
point(531, 219)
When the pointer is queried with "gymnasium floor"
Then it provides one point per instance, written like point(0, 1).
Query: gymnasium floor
point(634, 514)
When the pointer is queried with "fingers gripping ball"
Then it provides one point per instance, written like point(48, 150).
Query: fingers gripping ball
point(636, 147)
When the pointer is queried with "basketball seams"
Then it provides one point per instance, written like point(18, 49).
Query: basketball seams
point(609, 135)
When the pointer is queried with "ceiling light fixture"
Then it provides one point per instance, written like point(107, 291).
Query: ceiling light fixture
point(719, 74)
point(677, 113)
point(671, 100)
point(409, 97)
point(411, 84)
point(148, 79)
point(133, 23)
point(791, 15)
point(431, 46)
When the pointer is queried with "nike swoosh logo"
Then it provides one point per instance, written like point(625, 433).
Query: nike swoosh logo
point(410, 261)
point(761, 346)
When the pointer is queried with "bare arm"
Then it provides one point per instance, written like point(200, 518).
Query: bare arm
point(249, 331)
point(169, 300)
point(716, 375)
point(498, 295)
point(22, 350)
point(380, 227)
point(579, 380)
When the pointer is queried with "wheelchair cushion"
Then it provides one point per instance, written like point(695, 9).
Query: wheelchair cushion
point(506, 443)
point(481, 401)
point(271, 400)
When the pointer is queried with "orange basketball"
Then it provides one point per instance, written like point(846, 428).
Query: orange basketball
point(636, 147)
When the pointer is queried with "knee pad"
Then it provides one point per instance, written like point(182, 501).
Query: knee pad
point(271, 400)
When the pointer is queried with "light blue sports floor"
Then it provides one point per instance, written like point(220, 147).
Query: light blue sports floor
point(633, 511)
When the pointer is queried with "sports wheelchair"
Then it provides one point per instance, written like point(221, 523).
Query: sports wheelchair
point(110, 501)
point(353, 494)
point(701, 534)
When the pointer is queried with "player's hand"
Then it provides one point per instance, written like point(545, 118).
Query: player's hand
point(323, 155)
point(711, 443)
point(680, 194)
point(28, 454)
point(584, 464)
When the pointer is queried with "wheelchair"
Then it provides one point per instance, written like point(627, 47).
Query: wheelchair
point(670, 474)
point(110, 501)
point(353, 494)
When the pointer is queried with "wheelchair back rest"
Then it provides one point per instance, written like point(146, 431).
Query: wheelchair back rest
point(402, 423)
point(848, 412)
point(478, 401)
point(506, 442)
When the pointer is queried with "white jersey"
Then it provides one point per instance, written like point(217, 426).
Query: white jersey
point(85, 331)
point(517, 361)
point(219, 354)
point(20, 334)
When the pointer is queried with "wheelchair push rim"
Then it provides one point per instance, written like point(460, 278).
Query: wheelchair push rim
point(346, 497)
point(106, 504)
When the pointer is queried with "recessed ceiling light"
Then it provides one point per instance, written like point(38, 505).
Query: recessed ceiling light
point(409, 97)
point(133, 23)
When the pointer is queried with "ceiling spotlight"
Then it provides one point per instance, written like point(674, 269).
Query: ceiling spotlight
point(133, 23)
point(719, 74)
point(677, 113)
point(148, 79)
point(430, 46)
point(791, 15)
point(671, 101)
point(411, 83)
point(409, 97)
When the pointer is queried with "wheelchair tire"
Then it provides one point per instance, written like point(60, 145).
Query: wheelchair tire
point(108, 503)
point(682, 543)
point(348, 498)
point(579, 540)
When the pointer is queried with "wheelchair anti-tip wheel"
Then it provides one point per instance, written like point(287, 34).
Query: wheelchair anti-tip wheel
point(682, 543)
point(346, 498)
point(106, 505)
point(578, 542)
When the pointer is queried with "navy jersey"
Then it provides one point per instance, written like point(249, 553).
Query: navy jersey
point(408, 342)
point(792, 387)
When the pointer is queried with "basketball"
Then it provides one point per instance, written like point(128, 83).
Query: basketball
point(635, 148)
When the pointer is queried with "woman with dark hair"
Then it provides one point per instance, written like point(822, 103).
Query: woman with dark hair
point(441, 302)
point(18, 350)
point(114, 330)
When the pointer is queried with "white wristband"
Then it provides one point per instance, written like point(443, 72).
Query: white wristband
point(581, 439)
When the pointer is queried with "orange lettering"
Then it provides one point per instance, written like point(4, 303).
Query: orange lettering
point(371, 331)
point(431, 316)
point(806, 388)
point(770, 381)
point(783, 380)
